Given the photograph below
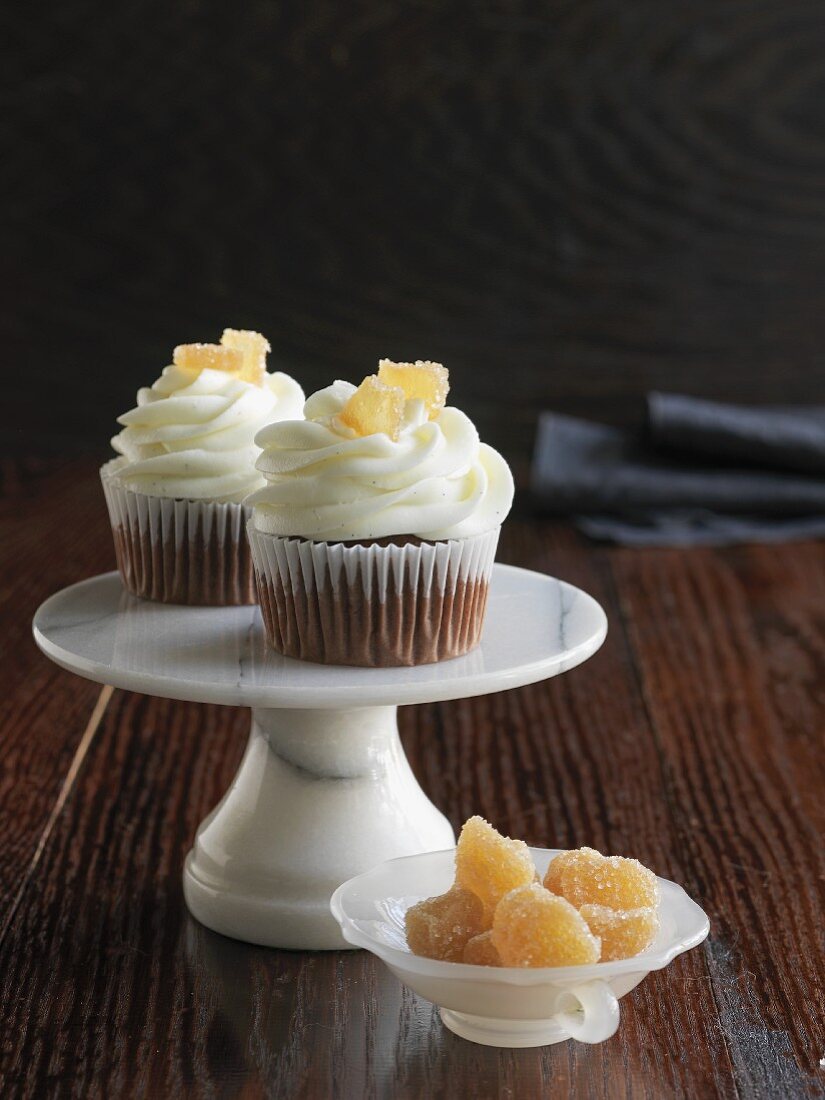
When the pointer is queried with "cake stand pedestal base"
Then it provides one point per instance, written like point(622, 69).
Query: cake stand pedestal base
point(324, 791)
point(320, 796)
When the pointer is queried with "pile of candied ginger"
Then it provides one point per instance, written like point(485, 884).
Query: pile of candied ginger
point(589, 908)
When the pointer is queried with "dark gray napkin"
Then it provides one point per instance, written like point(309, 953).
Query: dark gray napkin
point(777, 438)
point(661, 487)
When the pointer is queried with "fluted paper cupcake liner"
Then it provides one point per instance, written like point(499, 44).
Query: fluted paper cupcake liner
point(179, 551)
point(373, 605)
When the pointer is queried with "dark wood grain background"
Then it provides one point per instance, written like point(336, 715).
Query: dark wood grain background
point(566, 202)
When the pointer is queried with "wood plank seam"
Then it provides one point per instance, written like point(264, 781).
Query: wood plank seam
point(80, 753)
point(633, 661)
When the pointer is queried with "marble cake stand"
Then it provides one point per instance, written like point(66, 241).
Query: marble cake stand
point(324, 791)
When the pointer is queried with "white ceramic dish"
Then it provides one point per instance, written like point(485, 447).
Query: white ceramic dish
point(504, 1006)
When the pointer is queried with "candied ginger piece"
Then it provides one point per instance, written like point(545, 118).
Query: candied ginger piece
point(198, 357)
point(440, 927)
point(623, 932)
point(422, 379)
point(253, 347)
point(589, 878)
point(533, 927)
point(375, 407)
point(552, 876)
point(490, 864)
point(480, 951)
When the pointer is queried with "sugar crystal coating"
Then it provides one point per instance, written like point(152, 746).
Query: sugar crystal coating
point(586, 877)
point(254, 349)
point(480, 951)
point(490, 864)
point(198, 357)
point(552, 877)
point(440, 927)
point(623, 932)
point(375, 407)
point(533, 927)
point(430, 382)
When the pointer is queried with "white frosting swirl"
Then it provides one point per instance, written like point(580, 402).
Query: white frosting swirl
point(329, 484)
point(192, 437)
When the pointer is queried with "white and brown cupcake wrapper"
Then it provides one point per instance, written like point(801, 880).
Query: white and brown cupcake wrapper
point(179, 551)
point(373, 605)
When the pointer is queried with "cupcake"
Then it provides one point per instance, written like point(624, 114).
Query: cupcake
point(373, 540)
point(187, 461)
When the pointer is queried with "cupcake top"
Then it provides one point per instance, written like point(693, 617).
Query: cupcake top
point(191, 435)
point(382, 460)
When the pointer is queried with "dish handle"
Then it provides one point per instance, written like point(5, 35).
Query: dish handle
point(594, 1016)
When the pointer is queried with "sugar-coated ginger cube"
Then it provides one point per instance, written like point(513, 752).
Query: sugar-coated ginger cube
point(480, 951)
point(198, 357)
point(623, 932)
point(586, 877)
point(253, 347)
point(552, 877)
point(490, 864)
point(533, 927)
point(425, 380)
point(440, 927)
point(375, 407)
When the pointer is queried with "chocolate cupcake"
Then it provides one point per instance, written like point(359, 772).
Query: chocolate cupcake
point(374, 538)
point(187, 461)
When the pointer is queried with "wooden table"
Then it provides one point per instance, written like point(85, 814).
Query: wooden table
point(693, 740)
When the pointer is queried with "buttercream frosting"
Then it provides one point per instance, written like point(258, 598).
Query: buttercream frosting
point(325, 482)
point(191, 436)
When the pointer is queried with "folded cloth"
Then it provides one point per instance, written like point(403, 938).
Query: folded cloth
point(699, 528)
point(653, 496)
point(778, 437)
